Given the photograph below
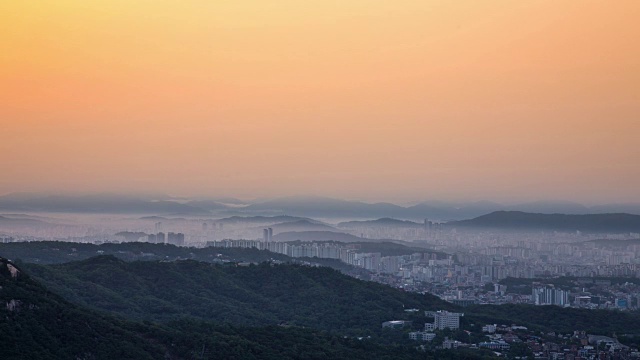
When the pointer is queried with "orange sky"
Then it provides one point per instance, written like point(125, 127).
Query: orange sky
point(369, 99)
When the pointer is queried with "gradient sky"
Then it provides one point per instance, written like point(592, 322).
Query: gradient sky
point(367, 99)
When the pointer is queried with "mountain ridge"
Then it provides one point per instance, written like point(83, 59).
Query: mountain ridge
point(300, 206)
point(260, 295)
point(613, 222)
point(39, 324)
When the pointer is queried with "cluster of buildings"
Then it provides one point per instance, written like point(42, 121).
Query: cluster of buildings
point(441, 320)
point(531, 345)
point(549, 295)
point(479, 259)
point(171, 238)
point(462, 278)
point(445, 320)
point(409, 232)
point(6, 239)
point(348, 253)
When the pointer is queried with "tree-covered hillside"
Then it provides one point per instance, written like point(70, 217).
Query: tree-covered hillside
point(290, 295)
point(555, 318)
point(518, 220)
point(266, 294)
point(37, 324)
point(54, 252)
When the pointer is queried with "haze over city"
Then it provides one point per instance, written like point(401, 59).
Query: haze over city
point(396, 101)
point(320, 179)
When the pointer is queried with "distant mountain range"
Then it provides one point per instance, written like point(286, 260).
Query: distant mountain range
point(517, 220)
point(99, 203)
point(317, 236)
point(297, 206)
point(383, 222)
point(252, 220)
point(326, 207)
point(11, 222)
point(301, 225)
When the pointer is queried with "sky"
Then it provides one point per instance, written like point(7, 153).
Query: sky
point(361, 99)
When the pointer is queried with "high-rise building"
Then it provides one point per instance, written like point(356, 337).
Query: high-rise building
point(6, 240)
point(175, 239)
point(443, 320)
point(549, 295)
point(369, 261)
point(270, 234)
point(422, 335)
point(389, 264)
point(265, 235)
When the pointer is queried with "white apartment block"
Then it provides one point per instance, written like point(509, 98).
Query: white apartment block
point(443, 320)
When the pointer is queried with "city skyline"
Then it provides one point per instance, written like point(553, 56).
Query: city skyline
point(467, 100)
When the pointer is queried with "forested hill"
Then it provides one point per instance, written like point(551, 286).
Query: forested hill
point(201, 310)
point(556, 318)
point(516, 220)
point(37, 324)
point(316, 297)
point(51, 252)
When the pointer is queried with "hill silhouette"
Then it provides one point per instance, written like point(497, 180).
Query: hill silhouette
point(382, 222)
point(514, 220)
point(38, 324)
point(266, 294)
point(301, 225)
point(317, 236)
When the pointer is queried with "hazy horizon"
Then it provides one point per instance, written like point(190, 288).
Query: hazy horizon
point(377, 101)
point(229, 199)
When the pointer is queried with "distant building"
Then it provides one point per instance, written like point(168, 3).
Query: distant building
point(464, 302)
point(622, 303)
point(489, 328)
point(6, 240)
point(303, 250)
point(422, 335)
point(549, 295)
point(444, 320)
point(450, 344)
point(389, 264)
point(499, 289)
point(328, 251)
point(175, 239)
point(495, 345)
point(396, 324)
point(369, 261)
